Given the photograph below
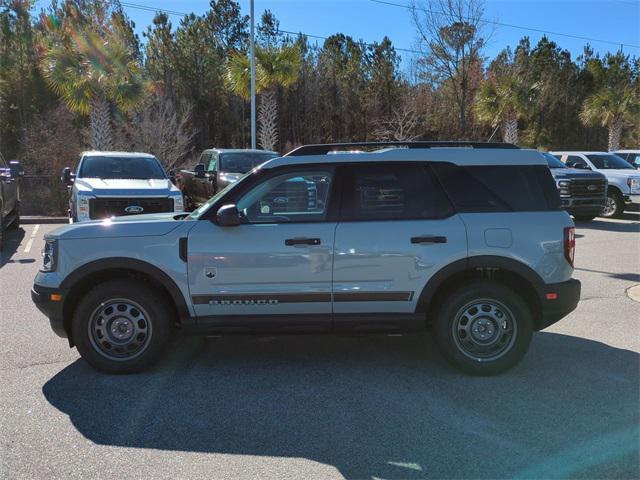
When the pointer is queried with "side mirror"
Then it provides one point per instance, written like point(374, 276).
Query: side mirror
point(172, 175)
point(67, 177)
point(16, 169)
point(199, 170)
point(228, 216)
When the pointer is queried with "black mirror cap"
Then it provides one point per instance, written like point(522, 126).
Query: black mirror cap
point(67, 176)
point(228, 216)
point(199, 170)
point(16, 169)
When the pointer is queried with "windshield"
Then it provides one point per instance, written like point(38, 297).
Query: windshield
point(608, 161)
point(205, 206)
point(553, 162)
point(111, 168)
point(242, 162)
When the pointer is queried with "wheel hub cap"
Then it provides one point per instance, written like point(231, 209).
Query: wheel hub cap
point(119, 329)
point(484, 330)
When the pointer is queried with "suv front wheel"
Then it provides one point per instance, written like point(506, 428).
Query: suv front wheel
point(121, 326)
point(483, 328)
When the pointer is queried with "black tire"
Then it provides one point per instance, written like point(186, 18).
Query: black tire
point(91, 319)
point(450, 322)
point(610, 211)
point(584, 218)
point(15, 224)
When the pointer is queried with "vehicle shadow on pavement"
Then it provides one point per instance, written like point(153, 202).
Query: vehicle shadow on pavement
point(608, 226)
point(12, 241)
point(383, 407)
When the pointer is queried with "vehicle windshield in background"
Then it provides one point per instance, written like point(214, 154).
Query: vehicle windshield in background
point(130, 168)
point(242, 162)
point(205, 206)
point(553, 162)
point(609, 162)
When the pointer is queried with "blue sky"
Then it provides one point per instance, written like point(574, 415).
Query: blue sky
point(613, 20)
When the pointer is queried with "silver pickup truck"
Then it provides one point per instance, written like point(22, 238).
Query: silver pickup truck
point(112, 184)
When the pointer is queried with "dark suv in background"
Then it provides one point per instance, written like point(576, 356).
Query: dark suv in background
point(582, 192)
point(10, 174)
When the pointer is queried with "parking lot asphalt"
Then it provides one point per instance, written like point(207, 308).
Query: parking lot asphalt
point(331, 407)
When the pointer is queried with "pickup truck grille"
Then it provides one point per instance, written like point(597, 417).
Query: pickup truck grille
point(292, 196)
point(115, 207)
point(588, 188)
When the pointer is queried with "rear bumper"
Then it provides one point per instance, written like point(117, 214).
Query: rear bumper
point(41, 296)
point(558, 300)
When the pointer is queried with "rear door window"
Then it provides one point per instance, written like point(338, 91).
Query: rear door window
point(498, 188)
point(392, 191)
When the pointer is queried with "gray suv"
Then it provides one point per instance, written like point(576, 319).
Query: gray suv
point(468, 240)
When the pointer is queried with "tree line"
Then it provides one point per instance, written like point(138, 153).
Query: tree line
point(75, 76)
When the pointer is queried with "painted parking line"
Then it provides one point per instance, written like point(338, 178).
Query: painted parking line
point(27, 248)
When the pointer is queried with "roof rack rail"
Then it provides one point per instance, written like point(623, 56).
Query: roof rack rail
point(325, 148)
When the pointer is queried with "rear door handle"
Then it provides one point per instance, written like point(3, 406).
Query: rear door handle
point(429, 239)
point(302, 241)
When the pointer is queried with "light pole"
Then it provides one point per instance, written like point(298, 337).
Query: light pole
point(253, 83)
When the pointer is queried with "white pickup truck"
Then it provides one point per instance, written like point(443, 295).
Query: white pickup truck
point(623, 180)
point(112, 184)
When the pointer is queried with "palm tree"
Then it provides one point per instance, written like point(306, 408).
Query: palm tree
point(610, 107)
point(275, 67)
point(92, 73)
point(503, 101)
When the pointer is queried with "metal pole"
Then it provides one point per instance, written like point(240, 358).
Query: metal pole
point(253, 83)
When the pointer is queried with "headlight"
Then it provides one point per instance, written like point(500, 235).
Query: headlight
point(634, 185)
point(563, 187)
point(49, 255)
point(82, 207)
point(178, 203)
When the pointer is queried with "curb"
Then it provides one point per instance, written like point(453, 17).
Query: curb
point(31, 219)
point(634, 293)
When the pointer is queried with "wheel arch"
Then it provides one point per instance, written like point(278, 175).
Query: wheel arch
point(512, 273)
point(81, 280)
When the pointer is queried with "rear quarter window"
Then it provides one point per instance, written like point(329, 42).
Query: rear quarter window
point(499, 188)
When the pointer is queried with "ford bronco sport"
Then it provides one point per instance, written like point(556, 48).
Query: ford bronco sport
point(466, 239)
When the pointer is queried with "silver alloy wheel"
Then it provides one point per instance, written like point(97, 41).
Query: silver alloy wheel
point(119, 329)
point(609, 207)
point(484, 330)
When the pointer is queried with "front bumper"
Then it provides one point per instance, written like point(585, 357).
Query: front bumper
point(558, 300)
point(41, 296)
point(632, 199)
point(583, 206)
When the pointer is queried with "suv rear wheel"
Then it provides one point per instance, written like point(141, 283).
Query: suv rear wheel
point(121, 326)
point(483, 328)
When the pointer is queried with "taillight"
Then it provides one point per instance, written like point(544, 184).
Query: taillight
point(570, 244)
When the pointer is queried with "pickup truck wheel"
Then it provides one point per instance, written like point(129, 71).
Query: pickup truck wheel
point(16, 218)
point(483, 328)
point(613, 205)
point(121, 326)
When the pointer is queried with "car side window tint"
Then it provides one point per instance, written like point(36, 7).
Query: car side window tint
point(498, 188)
point(301, 196)
point(392, 191)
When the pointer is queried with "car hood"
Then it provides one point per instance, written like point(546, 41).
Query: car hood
point(567, 173)
point(153, 224)
point(124, 186)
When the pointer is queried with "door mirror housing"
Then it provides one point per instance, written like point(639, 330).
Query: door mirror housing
point(67, 177)
point(228, 216)
point(16, 169)
point(199, 170)
point(172, 175)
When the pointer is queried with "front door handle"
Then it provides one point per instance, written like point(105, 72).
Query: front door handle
point(302, 241)
point(429, 239)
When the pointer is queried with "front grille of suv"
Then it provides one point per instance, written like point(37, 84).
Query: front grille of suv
point(588, 188)
point(116, 207)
